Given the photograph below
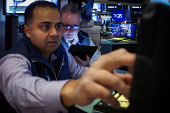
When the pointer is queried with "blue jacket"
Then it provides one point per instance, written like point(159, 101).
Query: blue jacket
point(83, 40)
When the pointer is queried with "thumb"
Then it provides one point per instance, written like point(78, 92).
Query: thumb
point(87, 58)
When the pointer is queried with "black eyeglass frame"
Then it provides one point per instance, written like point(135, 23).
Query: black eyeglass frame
point(68, 27)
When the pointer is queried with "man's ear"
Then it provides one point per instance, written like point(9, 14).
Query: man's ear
point(27, 31)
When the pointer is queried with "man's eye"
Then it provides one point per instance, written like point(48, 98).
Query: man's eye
point(58, 26)
point(46, 26)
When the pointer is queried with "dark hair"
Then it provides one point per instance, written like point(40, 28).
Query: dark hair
point(30, 9)
point(70, 8)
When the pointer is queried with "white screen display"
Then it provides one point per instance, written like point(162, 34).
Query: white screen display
point(19, 6)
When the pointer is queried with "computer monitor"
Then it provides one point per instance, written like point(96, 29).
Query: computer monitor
point(87, 11)
point(115, 29)
point(118, 16)
point(96, 7)
point(111, 7)
point(17, 7)
point(128, 30)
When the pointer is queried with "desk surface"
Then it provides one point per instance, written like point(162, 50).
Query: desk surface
point(89, 108)
point(106, 41)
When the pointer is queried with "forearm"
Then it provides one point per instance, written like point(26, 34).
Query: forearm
point(43, 97)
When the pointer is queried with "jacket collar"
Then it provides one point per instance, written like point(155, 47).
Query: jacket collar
point(34, 53)
point(80, 37)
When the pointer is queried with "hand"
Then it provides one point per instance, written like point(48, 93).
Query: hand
point(81, 62)
point(99, 81)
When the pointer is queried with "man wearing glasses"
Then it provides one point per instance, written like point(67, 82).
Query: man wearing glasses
point(71, 18)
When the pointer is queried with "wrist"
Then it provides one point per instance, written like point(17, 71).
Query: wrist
point(67, 93)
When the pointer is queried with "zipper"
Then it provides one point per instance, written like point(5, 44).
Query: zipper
point(47, 75)
point(46, 70)
point(60, 68)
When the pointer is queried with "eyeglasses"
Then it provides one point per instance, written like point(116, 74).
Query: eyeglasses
point(75, 27)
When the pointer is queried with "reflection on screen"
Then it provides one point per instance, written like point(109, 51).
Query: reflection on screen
point(115, 29)
point(128, 30)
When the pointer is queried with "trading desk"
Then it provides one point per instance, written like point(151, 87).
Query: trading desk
point(108, 45)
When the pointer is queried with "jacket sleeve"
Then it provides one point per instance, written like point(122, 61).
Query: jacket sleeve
point(75, 70)
point(25, 92)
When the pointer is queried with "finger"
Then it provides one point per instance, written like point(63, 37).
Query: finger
point(114, 103)
point(127, 78)
point(87, 58)
point(115, 60)
point(99, 91)
point(130, 69)
point(110, 80)
point(78, 59)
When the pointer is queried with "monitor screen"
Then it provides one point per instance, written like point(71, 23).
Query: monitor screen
point(118, 16)
point(19, 6)
point(166, 2)
point(94, 16)
point(115, 29)
point(111, 7)
point(87, 12)
point(128, 30)
point(97, 7)
point(128, 16)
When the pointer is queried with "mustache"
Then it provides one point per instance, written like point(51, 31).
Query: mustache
point(69, 33)
point(53, 39)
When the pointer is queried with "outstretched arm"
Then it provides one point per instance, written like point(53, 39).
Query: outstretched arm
point(99, 81)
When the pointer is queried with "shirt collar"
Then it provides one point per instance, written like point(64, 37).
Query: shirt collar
point(53, 57)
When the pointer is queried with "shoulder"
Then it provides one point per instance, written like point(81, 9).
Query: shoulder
point(15, 60)
point(21, 50)
point(83, 33)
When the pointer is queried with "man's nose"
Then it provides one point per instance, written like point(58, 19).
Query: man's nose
point(54, 32)
point(71, 29)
